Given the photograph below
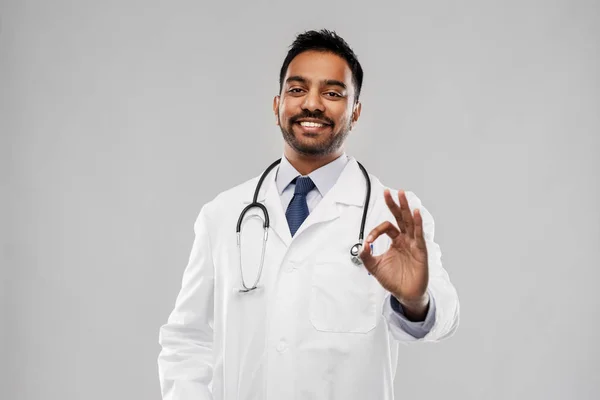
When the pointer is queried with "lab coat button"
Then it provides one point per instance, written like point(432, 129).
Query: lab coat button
point(281, 347)
point(291, 267)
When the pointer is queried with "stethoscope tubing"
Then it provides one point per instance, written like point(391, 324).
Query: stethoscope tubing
point(354, 250)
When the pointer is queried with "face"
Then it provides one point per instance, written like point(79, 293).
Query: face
point(316, 108)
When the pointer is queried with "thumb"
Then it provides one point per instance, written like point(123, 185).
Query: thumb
point(367, 257)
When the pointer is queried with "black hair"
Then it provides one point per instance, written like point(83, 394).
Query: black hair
point(325, 41)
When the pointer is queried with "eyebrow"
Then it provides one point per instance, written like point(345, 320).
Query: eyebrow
point(326, 82)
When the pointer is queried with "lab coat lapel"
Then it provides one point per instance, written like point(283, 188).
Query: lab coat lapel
point(269, 196)
point(349, 190)
point(278, 221)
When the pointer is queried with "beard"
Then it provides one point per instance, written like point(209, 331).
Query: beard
point(321, 146)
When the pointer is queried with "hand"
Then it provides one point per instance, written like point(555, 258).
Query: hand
point(402, 269)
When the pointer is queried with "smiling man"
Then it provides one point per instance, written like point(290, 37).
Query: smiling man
point(303, 317)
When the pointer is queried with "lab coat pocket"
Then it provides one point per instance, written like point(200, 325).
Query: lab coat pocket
point(343, 298)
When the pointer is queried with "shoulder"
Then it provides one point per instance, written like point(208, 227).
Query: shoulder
point(229, 199)
point(414, 202)
point(377, 188)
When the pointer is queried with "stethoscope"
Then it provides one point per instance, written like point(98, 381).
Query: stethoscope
point(354, 250)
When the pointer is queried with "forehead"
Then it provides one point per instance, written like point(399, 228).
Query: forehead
point(316, 66)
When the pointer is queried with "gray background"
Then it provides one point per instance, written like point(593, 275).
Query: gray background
point(119, 119)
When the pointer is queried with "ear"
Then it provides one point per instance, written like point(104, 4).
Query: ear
point(356, 112)
point(276, 109)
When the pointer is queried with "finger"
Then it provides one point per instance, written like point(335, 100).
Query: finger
point(419, 236)
point(395, 209)
point(367, 257)
point(406, 214)
point(385, 227)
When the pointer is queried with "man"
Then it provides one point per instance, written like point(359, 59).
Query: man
point(318, 326)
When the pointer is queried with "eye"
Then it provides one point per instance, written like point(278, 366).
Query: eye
point(295, 90)
point(333, 94)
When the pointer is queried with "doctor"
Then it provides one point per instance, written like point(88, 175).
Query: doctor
point(318, 326)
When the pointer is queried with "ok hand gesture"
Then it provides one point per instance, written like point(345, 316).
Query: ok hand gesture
point(402, 269)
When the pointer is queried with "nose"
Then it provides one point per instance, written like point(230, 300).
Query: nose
point(313, 101)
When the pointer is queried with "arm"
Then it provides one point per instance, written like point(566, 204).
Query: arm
point(185, 363)
point(417, 328)
point(441, 291)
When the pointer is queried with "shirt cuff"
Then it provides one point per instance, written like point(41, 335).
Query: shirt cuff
point(416, 329)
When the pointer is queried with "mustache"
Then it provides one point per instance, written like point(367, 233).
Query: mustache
point(315, 115)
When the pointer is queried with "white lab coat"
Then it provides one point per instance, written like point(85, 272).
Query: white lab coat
point(319, 327)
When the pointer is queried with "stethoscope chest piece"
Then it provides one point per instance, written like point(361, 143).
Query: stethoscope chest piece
point(354, 252)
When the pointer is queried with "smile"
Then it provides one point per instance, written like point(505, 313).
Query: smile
point(311, 124)
point(313, 127)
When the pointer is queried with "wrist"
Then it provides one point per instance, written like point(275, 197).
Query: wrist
point(415, 309)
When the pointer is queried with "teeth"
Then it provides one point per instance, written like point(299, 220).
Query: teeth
point(311, 124)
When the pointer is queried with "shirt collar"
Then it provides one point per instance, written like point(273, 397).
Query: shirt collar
point(324, 178)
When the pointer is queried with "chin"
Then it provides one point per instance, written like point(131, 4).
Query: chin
point(312, 150)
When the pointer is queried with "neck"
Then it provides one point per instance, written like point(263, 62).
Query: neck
point(305, 164)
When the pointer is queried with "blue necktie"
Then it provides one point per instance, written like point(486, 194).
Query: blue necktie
point(297, 210)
